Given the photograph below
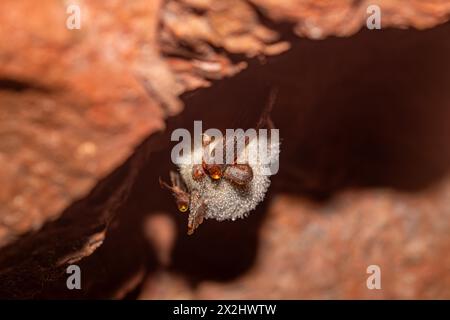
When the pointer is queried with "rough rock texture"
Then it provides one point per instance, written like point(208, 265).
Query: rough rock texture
point(72, 108)
point(317, 19)
point(79, 158)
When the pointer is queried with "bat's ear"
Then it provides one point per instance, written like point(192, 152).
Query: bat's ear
point(265, 120)
point(206, 140)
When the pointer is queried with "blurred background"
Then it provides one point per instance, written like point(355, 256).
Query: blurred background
point(90, 92)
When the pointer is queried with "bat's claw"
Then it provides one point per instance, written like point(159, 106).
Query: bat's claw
point(192, 226)
point(196, 217)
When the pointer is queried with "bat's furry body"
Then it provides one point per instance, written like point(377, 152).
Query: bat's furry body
point(225, 200)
